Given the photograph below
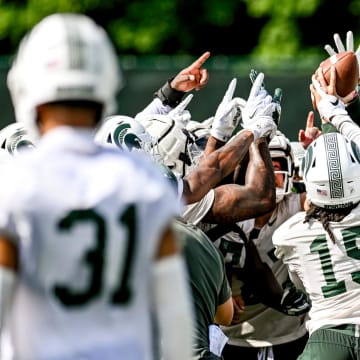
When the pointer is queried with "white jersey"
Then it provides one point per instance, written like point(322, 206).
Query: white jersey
point(261, 325)
point(329, 272)
point(88, 220)
point(195, 212)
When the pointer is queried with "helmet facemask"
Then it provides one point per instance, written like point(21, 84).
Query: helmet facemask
point(177, 146)
point(280, 150)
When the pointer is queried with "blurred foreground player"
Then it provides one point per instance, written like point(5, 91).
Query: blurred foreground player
point(86, 250)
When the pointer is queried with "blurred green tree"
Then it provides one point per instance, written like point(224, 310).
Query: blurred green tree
point(269, 29)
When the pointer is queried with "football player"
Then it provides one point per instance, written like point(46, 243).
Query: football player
point(207, 197)
point(211, 294)
point(320, 247)
point(89, 262)
point(265, 329)
point(348, 105)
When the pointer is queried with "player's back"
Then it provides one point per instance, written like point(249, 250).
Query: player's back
point(329, 271)
point(207, 278)
point(89, 221)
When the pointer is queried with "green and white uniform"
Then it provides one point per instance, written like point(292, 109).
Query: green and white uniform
point(87, 238)
point(330, 273)
point(262, 326)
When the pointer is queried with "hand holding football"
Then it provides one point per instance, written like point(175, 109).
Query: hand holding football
point(347, 71)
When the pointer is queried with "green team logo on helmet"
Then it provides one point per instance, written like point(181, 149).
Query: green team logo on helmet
point(122, 137)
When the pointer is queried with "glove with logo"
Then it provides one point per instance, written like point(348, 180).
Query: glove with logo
point(294, 302)
point(228, 114)
point(327, 105)
point(258, 112)
point(276, 98)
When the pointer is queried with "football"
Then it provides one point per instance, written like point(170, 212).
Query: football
point(347, 71)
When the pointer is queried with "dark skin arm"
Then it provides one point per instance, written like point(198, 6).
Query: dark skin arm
point(212, 144)
point(234, 202)
point(215, 167)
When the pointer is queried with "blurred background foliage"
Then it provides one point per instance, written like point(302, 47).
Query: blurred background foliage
point(157, 38)
point(274, 30)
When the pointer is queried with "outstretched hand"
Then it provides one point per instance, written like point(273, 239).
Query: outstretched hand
point(340, 45)
point(193, 76)
point(311, 132)
point(327, 104)
point(228, 114)
point(330, 87)
point(258, 112)
point(277, 97)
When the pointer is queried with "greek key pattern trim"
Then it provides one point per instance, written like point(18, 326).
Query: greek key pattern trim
point(334, 166)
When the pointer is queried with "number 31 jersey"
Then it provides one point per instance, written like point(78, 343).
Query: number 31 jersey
point(329, 272)
point(88, 221)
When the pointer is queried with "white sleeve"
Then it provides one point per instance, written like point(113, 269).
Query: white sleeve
point(173, 307)
point(156, 107)
point(347, 127)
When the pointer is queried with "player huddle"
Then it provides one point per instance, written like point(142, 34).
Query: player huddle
point(161, 237)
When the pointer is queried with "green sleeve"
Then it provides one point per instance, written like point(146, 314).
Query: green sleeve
point(328, 128)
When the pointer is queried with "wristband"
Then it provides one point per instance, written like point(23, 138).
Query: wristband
point(168, 95)
point(219, 135)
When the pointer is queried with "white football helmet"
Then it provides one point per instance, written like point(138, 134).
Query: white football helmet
point(127, 134)
point(299, 153)
point(177, 146)
point(331, 171)
point(280, 149)
point(201, 131)
point(64, 57)
point(14, 138)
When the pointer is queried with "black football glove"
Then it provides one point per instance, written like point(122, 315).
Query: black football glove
point(294, 302)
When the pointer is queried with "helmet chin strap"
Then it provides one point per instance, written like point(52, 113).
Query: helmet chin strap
point(185, 156)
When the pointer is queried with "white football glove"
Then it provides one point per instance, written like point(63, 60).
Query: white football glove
point(258, 112)
point(276, 99)
point(340, 45)
point(329, 105)
point(228, 114)
point(179, 114)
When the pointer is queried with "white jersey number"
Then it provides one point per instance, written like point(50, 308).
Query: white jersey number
point(94, 258)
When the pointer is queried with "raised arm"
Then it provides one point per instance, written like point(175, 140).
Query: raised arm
point(234, 202)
